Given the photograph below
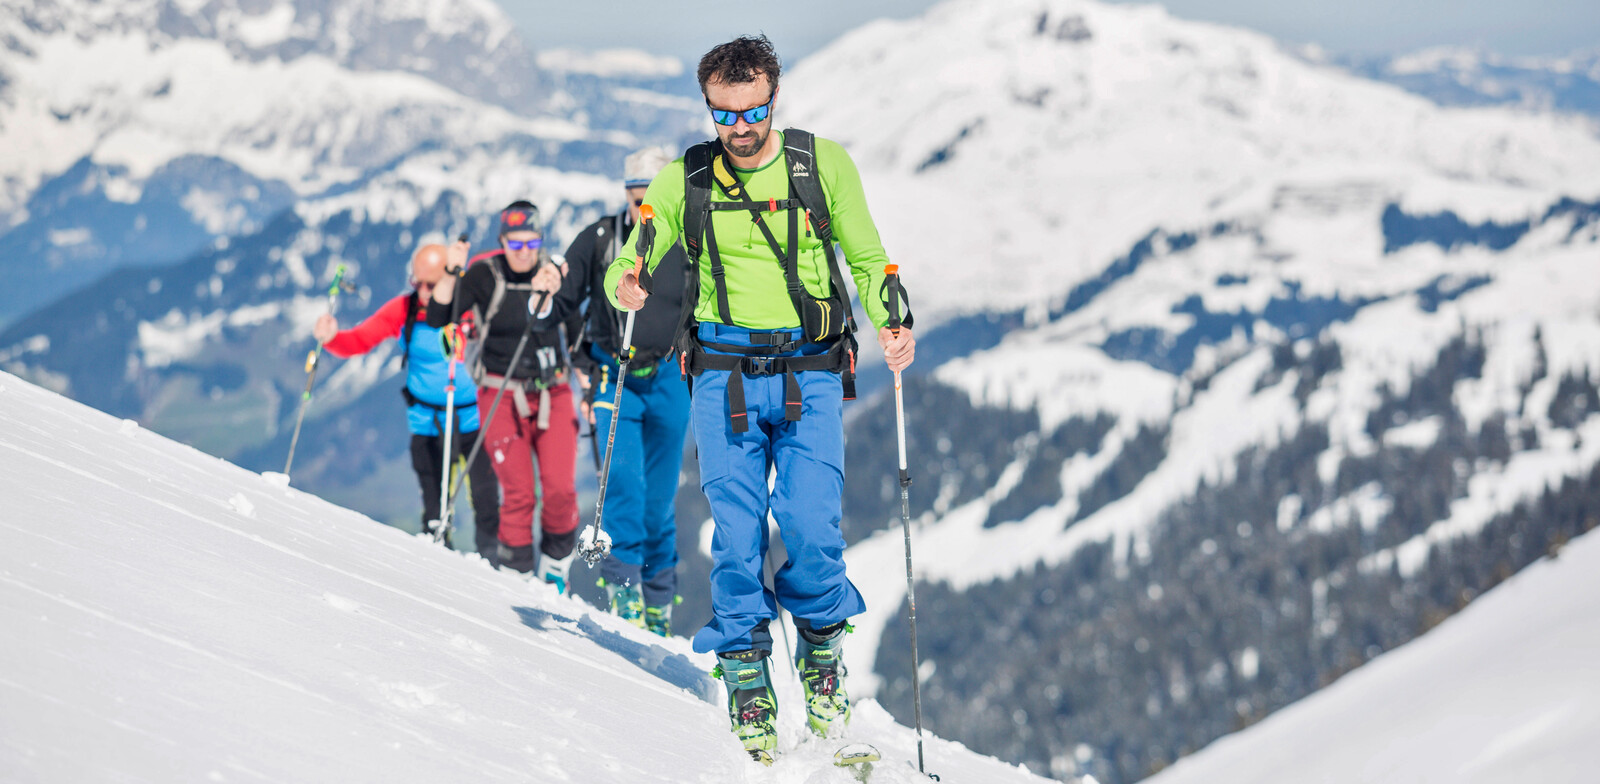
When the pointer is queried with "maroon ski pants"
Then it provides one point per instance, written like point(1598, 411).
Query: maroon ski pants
point(522, 452)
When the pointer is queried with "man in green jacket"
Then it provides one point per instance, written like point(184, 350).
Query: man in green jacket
point(773, 358)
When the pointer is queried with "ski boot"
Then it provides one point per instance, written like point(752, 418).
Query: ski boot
point(515, 559)
point(752, 705)
point(659, 620)
point(818, 656)
point(626, 603)
point(554, 571)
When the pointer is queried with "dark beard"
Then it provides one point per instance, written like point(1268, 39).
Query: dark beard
point(743, 149)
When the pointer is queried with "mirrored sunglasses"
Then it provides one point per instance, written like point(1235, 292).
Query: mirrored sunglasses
point(751, 116)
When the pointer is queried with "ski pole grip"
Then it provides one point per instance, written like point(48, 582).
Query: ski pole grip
point(646, 241)
point(892, 293)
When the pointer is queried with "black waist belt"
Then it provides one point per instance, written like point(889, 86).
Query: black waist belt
point(759, 361)
point(438, 410)
point(413, 400)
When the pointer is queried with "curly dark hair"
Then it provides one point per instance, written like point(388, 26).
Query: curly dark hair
point(739, 61)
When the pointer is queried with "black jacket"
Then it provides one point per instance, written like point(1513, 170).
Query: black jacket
point(654, 328)
point(543, 357)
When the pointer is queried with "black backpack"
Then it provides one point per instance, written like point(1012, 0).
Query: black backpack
point(704, 168)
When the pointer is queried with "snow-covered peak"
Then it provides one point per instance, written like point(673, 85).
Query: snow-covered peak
point(365, 34)
point(611, 63)
point(1042, 139)
point(310, 93)
point(1438, 57)
point(308, 122)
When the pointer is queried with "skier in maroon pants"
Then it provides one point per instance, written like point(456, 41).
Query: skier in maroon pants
point(536, 424)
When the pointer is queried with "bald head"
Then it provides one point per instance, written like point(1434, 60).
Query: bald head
point(427, 266)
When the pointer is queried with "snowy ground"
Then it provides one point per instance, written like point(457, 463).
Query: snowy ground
point(1506, 691)
point(171, 617)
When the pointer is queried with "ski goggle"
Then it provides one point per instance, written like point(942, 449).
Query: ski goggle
point(751, 116)
point(533, 244)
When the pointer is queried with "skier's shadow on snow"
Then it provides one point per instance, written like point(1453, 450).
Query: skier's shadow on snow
point(674, 668)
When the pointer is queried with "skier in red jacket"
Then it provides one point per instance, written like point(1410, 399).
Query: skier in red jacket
point(427, 373)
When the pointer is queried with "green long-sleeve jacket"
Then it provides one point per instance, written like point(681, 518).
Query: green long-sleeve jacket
point(757, 293)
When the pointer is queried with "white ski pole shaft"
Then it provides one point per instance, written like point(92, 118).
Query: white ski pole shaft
point(593, 545)
point(894, 297)
point(445, 457)
point(452, 332)
point(911, 587)
point(616, 414)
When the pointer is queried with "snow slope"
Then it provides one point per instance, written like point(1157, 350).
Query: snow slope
point(1506, 691)
point(171, 617)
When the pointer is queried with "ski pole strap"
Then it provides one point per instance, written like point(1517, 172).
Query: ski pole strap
point(892, 293)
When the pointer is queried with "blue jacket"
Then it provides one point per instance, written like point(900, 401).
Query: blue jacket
point(427, 364)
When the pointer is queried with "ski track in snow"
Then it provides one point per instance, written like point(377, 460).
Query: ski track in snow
point(183, 640)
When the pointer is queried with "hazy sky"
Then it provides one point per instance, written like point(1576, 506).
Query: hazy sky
point(687, 28)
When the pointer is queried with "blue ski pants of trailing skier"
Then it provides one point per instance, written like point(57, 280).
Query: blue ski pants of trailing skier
point(643, 484)
point(805, 500)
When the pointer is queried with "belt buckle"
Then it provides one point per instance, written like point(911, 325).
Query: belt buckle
point(760, 366)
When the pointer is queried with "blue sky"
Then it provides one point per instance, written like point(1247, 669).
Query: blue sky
point(687, 28)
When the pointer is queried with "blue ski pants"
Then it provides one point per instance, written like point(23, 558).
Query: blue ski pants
point(805, 501)
point(643, 484)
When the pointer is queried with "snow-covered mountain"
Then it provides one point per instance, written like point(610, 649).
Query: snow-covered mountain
point(187, 620)
point(143, 130)
point(259, 146)
point(1190, 281)
point(1456, 76)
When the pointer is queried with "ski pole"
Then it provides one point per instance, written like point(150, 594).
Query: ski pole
point(516, 356)
point(312, 361)
point(893, 293)
point(441, 532)
point(594, 542)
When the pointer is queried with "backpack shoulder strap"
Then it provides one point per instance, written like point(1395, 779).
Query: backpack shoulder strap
point(696, 195)
point(699, 165)
point(801, 149)
point(412, 302)
point(499, 294)
point(805, 182)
